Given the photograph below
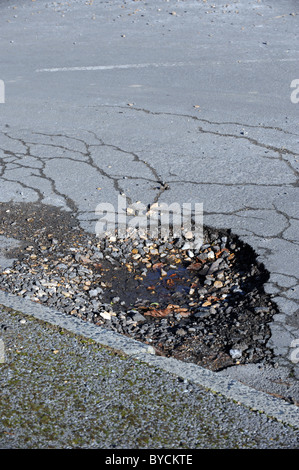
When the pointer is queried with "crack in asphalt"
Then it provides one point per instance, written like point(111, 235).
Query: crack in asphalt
point(12, 161)
point(196, 118)
point(86, 158)
point(255, 142)
point(16, 161)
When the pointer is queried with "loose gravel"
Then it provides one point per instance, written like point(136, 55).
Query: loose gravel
point(204, 305)
point(63, 391)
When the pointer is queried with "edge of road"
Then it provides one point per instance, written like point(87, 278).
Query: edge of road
point(256, 400)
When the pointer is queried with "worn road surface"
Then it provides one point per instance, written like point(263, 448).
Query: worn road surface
point(99, 99)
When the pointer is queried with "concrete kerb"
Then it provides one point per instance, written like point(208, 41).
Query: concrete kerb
point(258, 401)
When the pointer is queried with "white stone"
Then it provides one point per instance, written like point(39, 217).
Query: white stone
point(189, 235)
point(107, 315)
point(235, 353)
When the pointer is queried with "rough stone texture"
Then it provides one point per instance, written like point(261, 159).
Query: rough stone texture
point(106, 400)
point(131, 122)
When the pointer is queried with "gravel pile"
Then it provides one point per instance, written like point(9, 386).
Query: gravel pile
point(204, 305)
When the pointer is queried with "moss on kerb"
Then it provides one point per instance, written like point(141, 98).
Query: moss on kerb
point(85, 341)
point(87, 392)
point(60, 330)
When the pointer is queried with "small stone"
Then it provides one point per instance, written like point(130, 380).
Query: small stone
point(202, 313)
point(186, 246)
point(137, 317)
point(93, 292)
point(235, 353)
point(218, 284)
point(202, 291)
point(181, 332)
point(215, 266)
point(66, 294)
point(106, 315)
point(261, 310)
point(189, 235)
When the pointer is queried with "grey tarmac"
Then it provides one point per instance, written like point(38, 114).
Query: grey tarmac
point(163, 101)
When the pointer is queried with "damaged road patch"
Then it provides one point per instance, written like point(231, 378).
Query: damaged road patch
point(206, 305)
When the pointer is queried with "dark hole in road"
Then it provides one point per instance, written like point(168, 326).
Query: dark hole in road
point(155, 287)
point(206, 306)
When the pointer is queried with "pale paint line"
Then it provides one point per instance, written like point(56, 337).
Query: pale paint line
point(251, 61)
point(111, 67)
point(140, 66)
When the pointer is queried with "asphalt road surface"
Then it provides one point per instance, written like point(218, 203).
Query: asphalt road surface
point(163, 101)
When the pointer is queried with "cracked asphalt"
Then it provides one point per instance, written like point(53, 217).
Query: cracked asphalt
point(110, 98)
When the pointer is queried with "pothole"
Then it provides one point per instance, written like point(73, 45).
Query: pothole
point(205, 306)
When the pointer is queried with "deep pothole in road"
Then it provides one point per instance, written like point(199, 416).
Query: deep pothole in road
point(206, 306)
